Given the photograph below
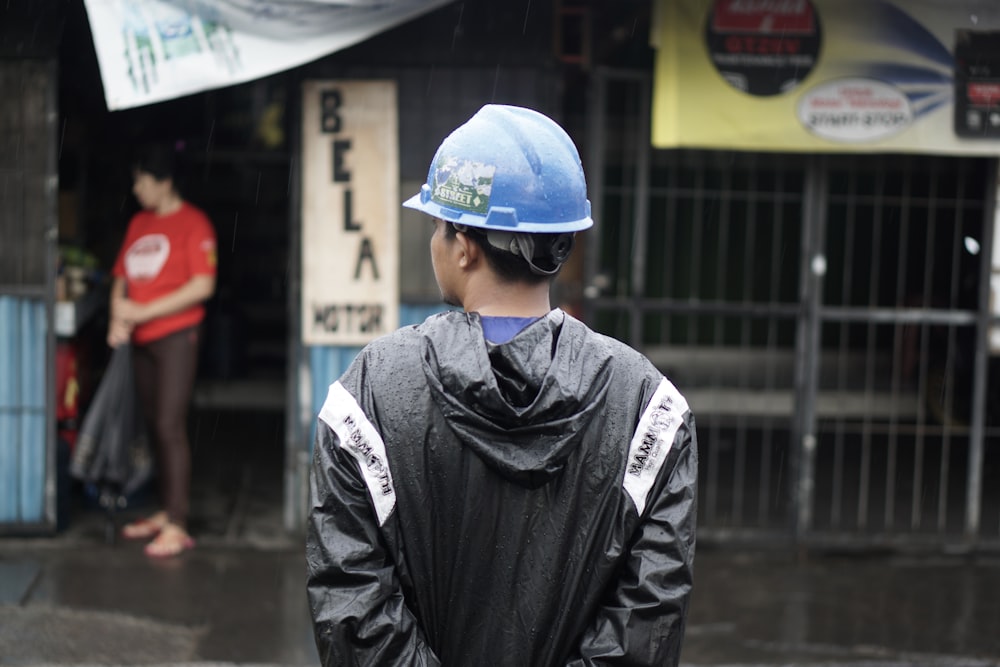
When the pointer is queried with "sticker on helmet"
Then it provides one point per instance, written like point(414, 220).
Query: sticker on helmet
point(463, 184)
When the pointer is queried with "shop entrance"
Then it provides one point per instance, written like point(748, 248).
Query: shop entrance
point(234, 161)
point(824, 316)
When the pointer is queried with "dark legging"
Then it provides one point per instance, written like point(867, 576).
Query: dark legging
point(164, 377)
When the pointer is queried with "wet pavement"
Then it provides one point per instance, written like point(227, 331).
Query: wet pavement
point(239, 596)
point(101, 605)
point(763, 608)
point(79, 601)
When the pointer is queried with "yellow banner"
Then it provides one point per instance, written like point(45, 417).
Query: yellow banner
point(828, 75)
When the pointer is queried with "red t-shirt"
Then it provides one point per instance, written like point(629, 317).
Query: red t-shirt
point(159, 255)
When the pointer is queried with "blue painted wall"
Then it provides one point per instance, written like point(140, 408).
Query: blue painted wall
point(23, 335)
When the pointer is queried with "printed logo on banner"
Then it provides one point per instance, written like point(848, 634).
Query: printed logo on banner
point(854, 110)
point(763, 47)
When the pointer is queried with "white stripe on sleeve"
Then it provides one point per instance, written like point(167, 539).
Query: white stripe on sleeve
point(358, 436)
point(653, 438)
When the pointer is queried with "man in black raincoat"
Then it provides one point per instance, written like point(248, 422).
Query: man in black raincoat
point(502, 486)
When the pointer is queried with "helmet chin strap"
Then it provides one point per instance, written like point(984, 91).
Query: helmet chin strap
point(523, 245)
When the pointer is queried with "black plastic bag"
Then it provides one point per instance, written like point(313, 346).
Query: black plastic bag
point(112, 450)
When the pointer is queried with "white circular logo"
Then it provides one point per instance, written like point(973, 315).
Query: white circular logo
point(854, 110)
point(145, 258)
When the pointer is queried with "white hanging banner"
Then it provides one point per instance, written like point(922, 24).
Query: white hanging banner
point(154, 50)
point(350, 211)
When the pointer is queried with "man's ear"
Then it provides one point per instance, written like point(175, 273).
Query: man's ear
point(469, 251)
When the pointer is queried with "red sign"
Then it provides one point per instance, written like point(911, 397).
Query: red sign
point(984, 94)
point(764, 17)
point(763, 47)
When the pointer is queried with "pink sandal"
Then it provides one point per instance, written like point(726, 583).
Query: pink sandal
point(142, 529)
point(172, 541)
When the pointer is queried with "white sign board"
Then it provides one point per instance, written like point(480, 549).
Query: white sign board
point(350, 211)
point(154, 50)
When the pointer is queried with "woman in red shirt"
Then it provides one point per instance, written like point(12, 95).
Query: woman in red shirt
point(164, 273)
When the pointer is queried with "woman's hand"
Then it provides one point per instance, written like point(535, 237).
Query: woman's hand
point(196, 290)
point(119, 332)
point(129, 311)
point(125, 314)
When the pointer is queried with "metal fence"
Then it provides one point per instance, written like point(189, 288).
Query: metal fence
point(822, 316)
point(902, 302)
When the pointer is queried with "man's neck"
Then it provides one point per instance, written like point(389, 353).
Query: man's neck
point(502, 300)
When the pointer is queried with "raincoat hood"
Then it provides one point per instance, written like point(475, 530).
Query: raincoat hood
point(497, 398)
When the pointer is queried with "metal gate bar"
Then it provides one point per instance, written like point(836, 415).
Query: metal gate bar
point(980, 363)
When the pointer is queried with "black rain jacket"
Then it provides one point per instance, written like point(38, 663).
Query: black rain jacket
point(524, 504)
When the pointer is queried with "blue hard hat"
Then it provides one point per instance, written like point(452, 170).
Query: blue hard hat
point(507, 168)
